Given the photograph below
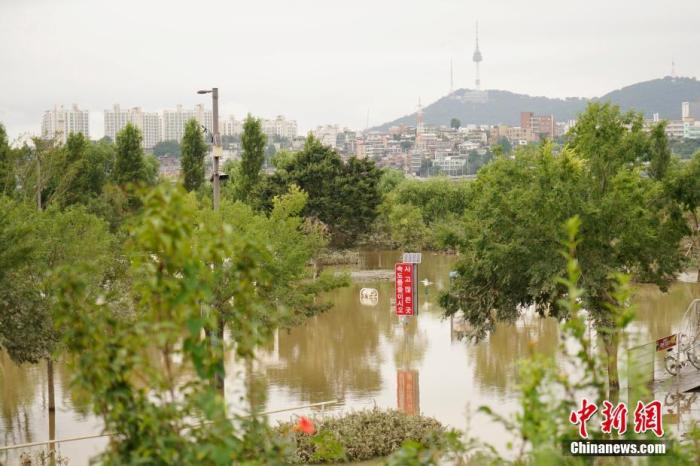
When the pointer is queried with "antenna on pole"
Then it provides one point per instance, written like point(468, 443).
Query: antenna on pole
point(673, 68)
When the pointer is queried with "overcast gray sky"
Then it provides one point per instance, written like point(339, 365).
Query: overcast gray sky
point(323, 62)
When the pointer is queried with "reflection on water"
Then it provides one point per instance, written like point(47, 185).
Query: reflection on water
point(360, 354)
point(407, 391)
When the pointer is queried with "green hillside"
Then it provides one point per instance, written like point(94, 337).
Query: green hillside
point(503, 107)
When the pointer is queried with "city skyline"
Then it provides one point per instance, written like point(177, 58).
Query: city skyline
point(375, 58)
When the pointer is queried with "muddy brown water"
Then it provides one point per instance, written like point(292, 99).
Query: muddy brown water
point(360, 354)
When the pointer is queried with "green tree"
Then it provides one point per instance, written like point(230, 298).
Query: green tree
point(390, 179)
point(130, 166)
point(194, 150)
point(292, 241)
point(510, 246)
point(659, 152)
point(52, 239)
point(683, 183)
point(344, 196)
point(505, 144)
point(253, 142)
point(177, 271)
point(455, 123)
point(8, 182)
point(164, 148)
point(82, 170)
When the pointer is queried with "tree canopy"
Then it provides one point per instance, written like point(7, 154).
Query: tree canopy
point(130, 166)
point(253, 142)
point(194, 150)
point(510, 243)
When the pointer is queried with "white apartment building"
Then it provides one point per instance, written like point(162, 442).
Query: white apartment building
point(280, 127)
point(149, 124)
point(58, 123)
point(328, 135)
point(230, 126)
point(174, 121)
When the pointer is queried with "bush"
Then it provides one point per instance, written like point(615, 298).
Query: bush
point(364, 434)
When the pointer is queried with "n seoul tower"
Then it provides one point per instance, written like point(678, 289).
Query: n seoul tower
point(476, 58)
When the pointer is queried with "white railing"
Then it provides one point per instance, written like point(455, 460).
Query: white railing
point(322, 404)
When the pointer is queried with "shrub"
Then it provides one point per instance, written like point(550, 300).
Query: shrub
point(363, 434)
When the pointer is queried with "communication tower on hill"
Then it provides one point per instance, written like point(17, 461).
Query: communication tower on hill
point(477, 58)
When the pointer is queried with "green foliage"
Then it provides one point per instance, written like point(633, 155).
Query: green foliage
point(362, 435)
point(151, 169)
point(344, 196)
point(685, 148)
point(130, 165)
point(455, 123)
point(160, 415)
point(253, 142)
point(510, 255)
point(683, 184)
point(390, 179)
point(51, 239)
point(15, 240)
point(7, 172)
point(194, 150)
point(417, 214)
point(292, 241)
point(164, 148)
point(81, 170)
point(659, 152)
point(406, 226)
point(510, 251)
point(505, 144)
point(548, 390)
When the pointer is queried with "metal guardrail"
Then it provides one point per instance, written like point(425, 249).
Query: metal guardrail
point(322, 404)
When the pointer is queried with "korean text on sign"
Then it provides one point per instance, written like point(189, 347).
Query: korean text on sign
point(404, 289)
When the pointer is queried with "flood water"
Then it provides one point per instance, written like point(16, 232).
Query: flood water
point(360, 354)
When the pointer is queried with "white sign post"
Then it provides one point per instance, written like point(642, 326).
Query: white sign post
point(415, 259)
point(411, 257)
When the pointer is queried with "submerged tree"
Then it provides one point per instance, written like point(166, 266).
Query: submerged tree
point(510, 244)
point(160, 415)
point(51, 239)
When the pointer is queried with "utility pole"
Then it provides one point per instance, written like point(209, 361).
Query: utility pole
point(217, 336)
point(217, 146)
point(217, 149)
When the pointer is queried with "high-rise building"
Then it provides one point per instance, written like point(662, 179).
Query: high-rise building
point(280, 127)
point(690, 111)
point(149, 124)
point(230, 126)
point(58, 123)
point(174, 121)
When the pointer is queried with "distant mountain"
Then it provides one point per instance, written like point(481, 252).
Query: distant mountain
point(662, 96)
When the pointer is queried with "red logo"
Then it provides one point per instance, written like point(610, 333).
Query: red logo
point(582, 416)
point(647, 417)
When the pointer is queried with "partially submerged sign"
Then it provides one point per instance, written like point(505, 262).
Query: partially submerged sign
point(412, 257)
point(404, 288)
point(369, 296)
point(667, 342)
